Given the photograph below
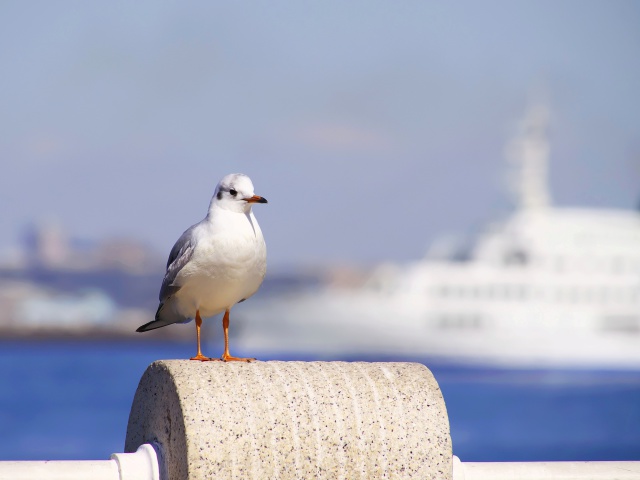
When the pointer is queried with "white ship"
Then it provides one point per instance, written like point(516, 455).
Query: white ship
point(547, 287)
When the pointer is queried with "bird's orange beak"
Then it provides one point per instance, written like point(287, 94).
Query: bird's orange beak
point(257, 199)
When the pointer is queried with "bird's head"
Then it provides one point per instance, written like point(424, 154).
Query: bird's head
point(235, 193)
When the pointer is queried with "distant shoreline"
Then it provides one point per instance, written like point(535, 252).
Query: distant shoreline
point(105, 334)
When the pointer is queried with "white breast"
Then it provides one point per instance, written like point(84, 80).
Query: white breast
point(228, 265)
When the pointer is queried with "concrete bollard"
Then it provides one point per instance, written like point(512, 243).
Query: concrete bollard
point(290, 420)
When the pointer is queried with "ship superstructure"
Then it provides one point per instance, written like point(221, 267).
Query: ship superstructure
point(548, 286)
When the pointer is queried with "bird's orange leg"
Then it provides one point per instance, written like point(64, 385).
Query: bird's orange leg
point(199, 355)
point(226, 356)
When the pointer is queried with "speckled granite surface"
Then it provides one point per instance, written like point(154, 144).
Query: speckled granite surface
point(291, 420)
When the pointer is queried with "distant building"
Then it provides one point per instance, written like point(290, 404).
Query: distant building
point(126, 254)
point(46, 245)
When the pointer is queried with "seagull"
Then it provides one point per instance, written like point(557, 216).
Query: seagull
point(215, 264)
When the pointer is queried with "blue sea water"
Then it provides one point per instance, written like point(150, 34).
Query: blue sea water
point(71, 400)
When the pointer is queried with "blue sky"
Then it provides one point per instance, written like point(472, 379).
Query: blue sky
point(372, 127)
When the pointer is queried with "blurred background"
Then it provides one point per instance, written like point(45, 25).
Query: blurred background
point(451, 183)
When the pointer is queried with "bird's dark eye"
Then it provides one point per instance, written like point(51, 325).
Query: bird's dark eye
point(233, 192)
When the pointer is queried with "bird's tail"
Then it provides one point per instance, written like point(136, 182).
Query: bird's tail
point(163, 318)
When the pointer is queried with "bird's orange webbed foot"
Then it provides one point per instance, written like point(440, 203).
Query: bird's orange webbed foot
point(202, 358)
point(228, 358)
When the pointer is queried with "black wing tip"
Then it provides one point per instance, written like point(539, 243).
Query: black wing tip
point(156, 323)
point(144, 327)
point(150, 325)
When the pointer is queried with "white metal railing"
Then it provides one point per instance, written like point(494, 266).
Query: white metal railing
point(143, 465)
point(140, 465)
point(545, 470)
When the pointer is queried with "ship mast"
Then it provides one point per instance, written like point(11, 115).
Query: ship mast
point(528, 153)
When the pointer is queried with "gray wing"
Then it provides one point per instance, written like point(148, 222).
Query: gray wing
point(180, 255)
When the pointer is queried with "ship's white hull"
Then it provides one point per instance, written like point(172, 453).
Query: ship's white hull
point(328, 323)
